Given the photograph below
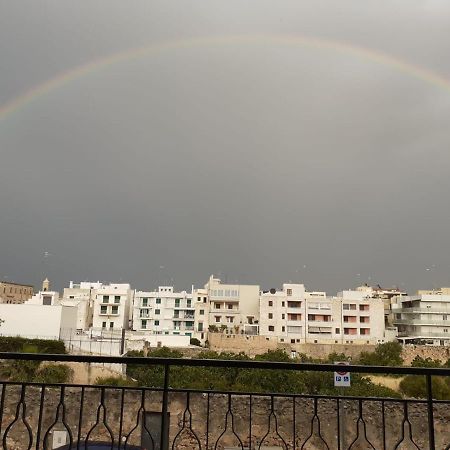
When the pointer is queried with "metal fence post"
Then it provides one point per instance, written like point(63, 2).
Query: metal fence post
point(430, 413)
point(164, 439)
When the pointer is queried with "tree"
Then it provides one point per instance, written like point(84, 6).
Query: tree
point(415, 386)
point(388, 354)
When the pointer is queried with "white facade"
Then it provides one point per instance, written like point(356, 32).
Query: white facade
point(423, 318)
point(295, 316)
point(44, 298)
point(234, 307)
point(164, 312)
point(201, 314)
point(82, 296)
point(112, 305)
point(33, 320)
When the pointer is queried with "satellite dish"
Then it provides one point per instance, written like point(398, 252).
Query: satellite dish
point(273, 291)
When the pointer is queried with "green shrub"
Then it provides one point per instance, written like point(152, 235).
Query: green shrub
point(388, 354)
point(114, 381)
point(54, 373)
point(24, 345)
point(418, 361)
point(195, 341)
point(415, 386)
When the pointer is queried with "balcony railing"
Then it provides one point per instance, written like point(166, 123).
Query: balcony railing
point(36, 415)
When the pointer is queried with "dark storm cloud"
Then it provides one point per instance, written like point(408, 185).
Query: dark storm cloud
point(263, 162)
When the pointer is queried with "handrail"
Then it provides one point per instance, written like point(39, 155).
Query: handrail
point(243, 364)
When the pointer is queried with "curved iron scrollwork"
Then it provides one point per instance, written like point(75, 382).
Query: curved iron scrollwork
point(315, 419)
point(186, 430)
point(21, 411)
point(101, 411)
point(406, 424)
point(229, 417)
point(60, 416)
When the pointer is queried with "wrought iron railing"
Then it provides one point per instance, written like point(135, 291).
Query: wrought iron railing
point(45, 416)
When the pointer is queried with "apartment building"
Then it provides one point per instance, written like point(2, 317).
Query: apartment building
point(296, 316)
point(82, 296)
point(201, 313)
point(423, 318)
point(112, 307)
point(233, 308)
point(164, 312)
point(15, 293)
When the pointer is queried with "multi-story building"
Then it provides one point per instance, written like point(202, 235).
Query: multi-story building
point(232, 307)
point(81, 295)
point(423, 318)
point(164, 312)
point(201, 313)
point(296, 316)
point(112, 306)
point(386, 294)
point(15, 293)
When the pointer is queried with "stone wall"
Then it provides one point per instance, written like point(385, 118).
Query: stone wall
point(256, 345)
point(214, 418)
point(409, 352)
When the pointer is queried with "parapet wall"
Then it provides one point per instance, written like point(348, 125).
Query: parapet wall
point(256, 345)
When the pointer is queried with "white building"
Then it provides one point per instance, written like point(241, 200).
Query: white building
point(201, 314)
point(37, 320)
point(232, 308)
point(423, 318)
point(296, 316)
point(164, 312)
point(82, 296)
point(112, 306)
point(44, 298)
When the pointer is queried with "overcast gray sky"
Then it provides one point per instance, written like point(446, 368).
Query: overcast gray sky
point(254, 160)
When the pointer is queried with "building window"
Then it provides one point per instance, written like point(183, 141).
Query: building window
point(200, 326)
point(282, 316)
point(158, 301)
point(364, 319)
point(362, 307)
point(143, 324)
point(230, 306)
point(283, 329)
point(202, 312)
point(270, 303)
point(117, 299)
point(444, 317)
point(270, 316)
point(177, 302)
point(188, 303)
point(156, 323)
point(282, 304)
point(217, 318)
point(103, 309)
point(217, 305)
point(111, 325)
point(103, 324)
point(289, 292)
point(145, 302)
point(157, 311)
point(105, 298)
point(337, 331)
point(115, 310)
point(271, 328)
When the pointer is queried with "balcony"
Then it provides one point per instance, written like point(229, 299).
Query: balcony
point(430, 322)
point(163, 417)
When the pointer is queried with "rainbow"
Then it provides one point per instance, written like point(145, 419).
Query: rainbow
point(22, 100)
